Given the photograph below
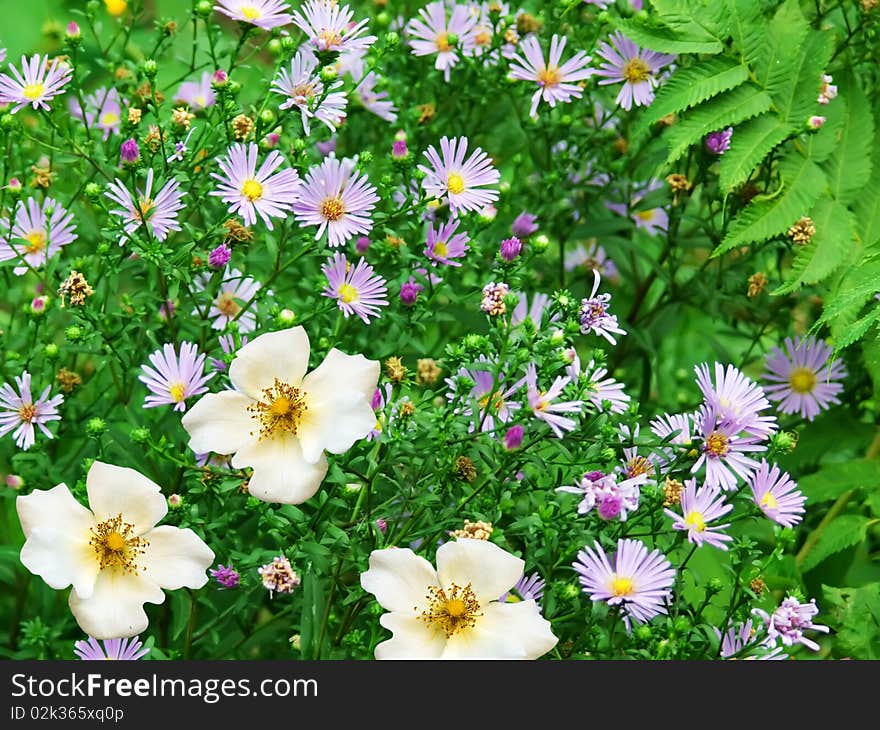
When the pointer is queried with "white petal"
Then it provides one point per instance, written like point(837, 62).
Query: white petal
point(504, 631)
point(62, 556)
point(399, 579)
point(338, 392)
point(176, 558)
point(280, 472)
point(117, 490)
point(283, 354)
point(490, 570)
point(413, 639)
point(116, 608)
point(219, 422)
point(55, 508)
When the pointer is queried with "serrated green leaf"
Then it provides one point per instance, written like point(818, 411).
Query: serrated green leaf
point(855, 288)
point(855, 615)
point(854, 332)
point(729, 108)
point(745, 26)
point(666, 40)
point(750, 144)
point(868, 206)
point(834, 479)
point(827, 250)
point(842, 533)
point(802, 183)
point(849, 168)
point(691, 86)
point(778, 55)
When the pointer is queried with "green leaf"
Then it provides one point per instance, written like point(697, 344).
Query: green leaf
point(729, 108)
point(855, 615)
point(855, 288)
point(768, 216)
point(849, 168)
point(855, 332)
point(840, 534)
point(666, 40)
point(834, 479)
point(745, 25)
point(776, 59)
point(750, 144)
point(691, 86)
point(828, 248)
point(868, 206)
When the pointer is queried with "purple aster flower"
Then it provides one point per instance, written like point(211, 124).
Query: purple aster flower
point(102, 109)
point(20, 412)
point(719, 142)
point(374, 101)
point(444, 244)
point(488, 400)
point(639, 582)
point(524, 225)
point(219, 257)
point(543, 407)
point(556, 83)
point(356, 289)
point(173, 379)
point(510, 248)
point(160, 213)
point(528, 588)
point(652, 220)
point(227, 344)
point(610, 498)
point(736, 399)
point(597, 390)
point(723, 450)
point(251, 192)
point(430, 33)
point(38, 82)
point(325, 148)
point(802, 380)
point(330, 27)
point(226, 576)
point(676, 427)
point(302, 86)
point(409, 291)
point(37, 235)
point(789, 621)
point(777, 495)
point(129, 152)
point(458, 181)
point(513, 438)
point(744, 639)
point(198, 95)
point(594, 313)
point(265, 14)
point(636, 68)
point(535, 312)
point(128, 649)
point(236, 290)
point(594, 258)
point(336, 199)
point(699, 507)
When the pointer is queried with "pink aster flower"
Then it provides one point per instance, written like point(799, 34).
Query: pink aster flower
point(265, 14)
point(788, 623)
point(488, 401)
point(777, 495)
point(173, 379)
point(543, 407)
point(802, 380)
point(356, 289)
point(594, 314)
point(524, 225)
point(444, 244)
point(236, 290)
point(198, 95)
point(38, 233)
point(103, 109)
point(736, 399)
point(610, 498)
point(534, 311)
point(675, 428)
point(724, 450)
point(460, 182)
point(38, 82)
point(251, 192)
point(597, 388)
point(160, 213)
point(330, 28)
point(744, 639)
point(699, 507)
point(20, 412)
point(636, 68)
point(128, 649)
point(430, 34)
point(226, 576)
point(302, 86)
point(638, 581)
point(374, 101)
point(556, 83)
point(336, 199)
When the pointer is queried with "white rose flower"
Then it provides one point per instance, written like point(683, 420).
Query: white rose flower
point(112, 554)
point(453, 612)
point(280, 420)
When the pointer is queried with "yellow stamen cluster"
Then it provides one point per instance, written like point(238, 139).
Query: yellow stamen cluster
point(802, 380)
point(696, 520)
point(330, 39)
point(442, 43)
point(77, 288)
point(252, 189)
point(332, 209)
point(428, 372)
point(757, 282)
point(347, 293)
point(452, 610)
point(636, 70)
point(227, 305)
point(281, 409)
point(116, 546)
point(622, 586)
point(33, 91)
point(36, 242)
point(637, 466)
point(27, 412)
point(478, 530)
point(672, 492)
point(549, 77)
point(717, 444)
point(455, 183)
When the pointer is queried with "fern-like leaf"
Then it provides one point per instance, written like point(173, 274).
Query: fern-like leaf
point(662, 38)
point(750, 144)
point(745, 26)
point(868, 207)
point(849, 168)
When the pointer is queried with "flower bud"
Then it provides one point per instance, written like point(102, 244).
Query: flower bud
point(139, 435)
point(96, 427)
point(204, 8)
point(74, 333)
point(151, 68)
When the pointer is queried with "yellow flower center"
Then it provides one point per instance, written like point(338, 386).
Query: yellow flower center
point(483, 36)
point(109, 119)
point(802, 380)
point(645, 215)
point(639, 465)
point(636, 70)
point(549, 76)
point(27, 412)
point(33, 91)
point(442, 42)
point(441, 249)
point(177, 392)
point(330, 39)
point(227, 305)
point(252, 190)
point(347, 293)
point(332, 208)
point(455, 183)
point(305, 91)
point(250, 12)
point(281, 409)
point(497, 400)
point(769, 501)
point(36, 242)
point(144, 209)
point(696, 520)
point(452, 610)
point(622, 587)
point(116, 546)
point(115, 7)
point(717, 444)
